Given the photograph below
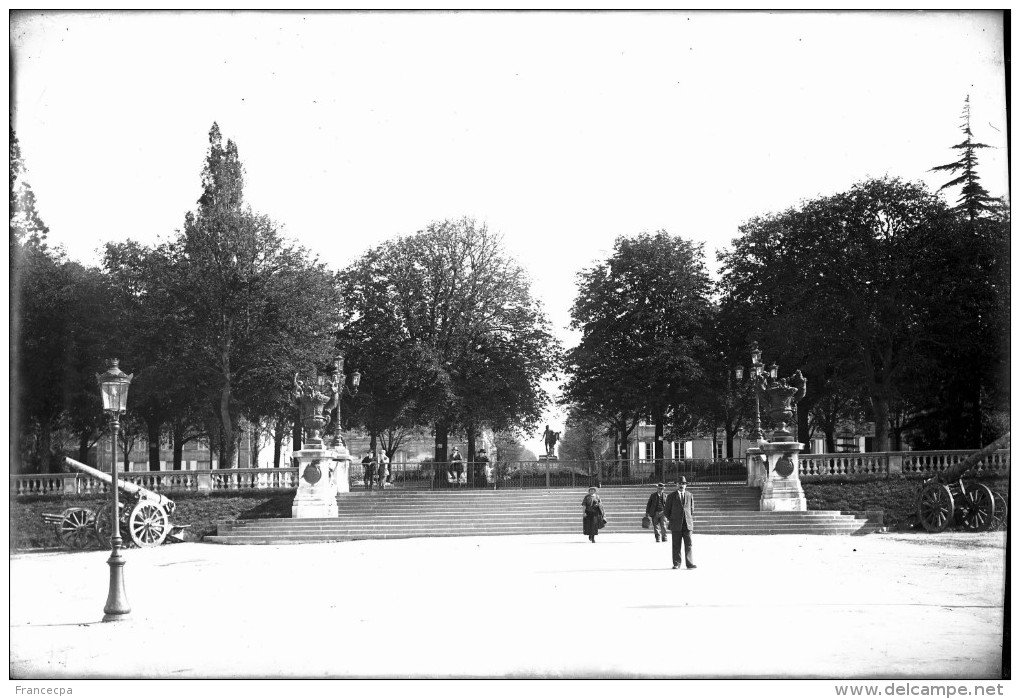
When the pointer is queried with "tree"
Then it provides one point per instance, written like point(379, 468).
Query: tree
point(244, 293)
point(642, 314)
point(445, 327)
point(974, 198)
point(30, 260)
point(976, 373)
point(866, 272)
point(585, 437)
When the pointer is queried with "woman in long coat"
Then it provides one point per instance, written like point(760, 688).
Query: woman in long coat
point(593, 513)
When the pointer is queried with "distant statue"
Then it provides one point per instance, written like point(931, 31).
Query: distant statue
point(550, 439)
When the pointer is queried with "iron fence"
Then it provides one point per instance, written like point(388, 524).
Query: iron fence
point(551, 473)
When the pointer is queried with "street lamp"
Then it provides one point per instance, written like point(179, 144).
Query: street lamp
point(113, 387)
point(756, 369)
point(341, 381)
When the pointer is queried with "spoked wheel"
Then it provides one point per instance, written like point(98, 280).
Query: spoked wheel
point(103, 529)
point(935, 507)
point(999, 516)
point(148, 524)
point(76, 528)
point(978, 514)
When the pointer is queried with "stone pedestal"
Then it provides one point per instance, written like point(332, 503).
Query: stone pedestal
point(756, 467)
point(342, 465)
point(781, 490)
point(317, 484)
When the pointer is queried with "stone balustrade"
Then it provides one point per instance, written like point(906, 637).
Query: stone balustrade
point(166, 482)
point(897, 464)
point(907, 464)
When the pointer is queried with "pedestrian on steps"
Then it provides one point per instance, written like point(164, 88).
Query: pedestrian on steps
point(655, 510)
point(594, 514)
point(368, 463)
point(384, 468)
point(457, 467)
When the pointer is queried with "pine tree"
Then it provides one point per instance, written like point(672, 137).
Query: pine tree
point(974, 198)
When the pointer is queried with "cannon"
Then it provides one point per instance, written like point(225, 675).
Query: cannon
point(146, 521)
point(946, 499)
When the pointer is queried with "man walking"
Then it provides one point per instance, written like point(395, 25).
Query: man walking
point(680, 513)
point(368, 463)
point(655, 510)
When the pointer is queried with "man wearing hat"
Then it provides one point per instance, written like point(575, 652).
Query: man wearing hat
point(680, 513)
point(593, 514)
point(656, 511)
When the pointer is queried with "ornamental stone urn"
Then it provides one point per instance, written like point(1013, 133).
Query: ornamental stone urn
point(320, 470)
point(781, 489)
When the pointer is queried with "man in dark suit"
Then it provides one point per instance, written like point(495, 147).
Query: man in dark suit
point(680, 513)
point(655, 510)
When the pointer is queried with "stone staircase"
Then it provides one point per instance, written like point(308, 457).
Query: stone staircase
point(723, 508)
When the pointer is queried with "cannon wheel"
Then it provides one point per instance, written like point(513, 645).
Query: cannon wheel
point(935, 507)
point(148, 524)
point(999, 516)
point(979, 514)
point(75, 527)
point(103, 528)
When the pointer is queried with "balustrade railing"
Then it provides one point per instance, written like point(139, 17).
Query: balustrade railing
point(843, 464)
point(548, 474)
point(166, 482)
point(897, 464)
point(516, 474)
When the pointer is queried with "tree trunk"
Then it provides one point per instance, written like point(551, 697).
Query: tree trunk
point(254, 446)
point(296, 432)
point(228, 442)
point(44, 445)
point(471, 444)
point(830, 440)
point(277, 442)
point(880, 407)
point(178, 439)
point(83, 449)
point(803, 413)
point(441, 461)
point(153, 426)
point(660, 430)
point(470, 464)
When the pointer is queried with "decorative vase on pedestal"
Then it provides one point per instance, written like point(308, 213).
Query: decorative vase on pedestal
point(318, 467)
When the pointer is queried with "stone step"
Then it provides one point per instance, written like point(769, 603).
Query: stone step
point(708, 518)
point(388, 514)
point(363, 534)
point(551, 524)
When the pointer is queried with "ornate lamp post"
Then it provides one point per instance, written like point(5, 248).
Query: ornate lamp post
point(756, 371)
point(340, 379)
point(113, 387)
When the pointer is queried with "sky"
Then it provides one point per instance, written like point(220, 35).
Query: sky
point(561, 131)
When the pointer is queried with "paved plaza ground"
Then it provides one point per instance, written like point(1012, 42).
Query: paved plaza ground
point(877, 606)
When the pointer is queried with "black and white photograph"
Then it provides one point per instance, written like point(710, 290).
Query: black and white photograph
point(479, 345)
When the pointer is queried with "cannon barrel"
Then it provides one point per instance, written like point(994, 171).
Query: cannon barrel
point(126, 486)
point(957, 471)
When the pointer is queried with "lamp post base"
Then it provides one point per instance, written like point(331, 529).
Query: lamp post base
point(117, 606)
